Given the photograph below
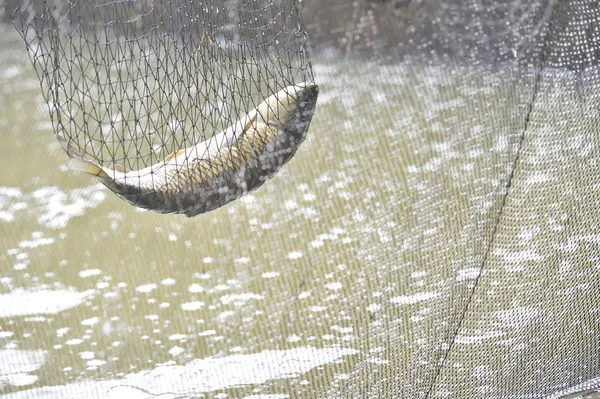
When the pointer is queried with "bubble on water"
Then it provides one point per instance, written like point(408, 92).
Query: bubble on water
point(146, 288)
point(176, 351)
point(467, 274)
point(343, 330)
point(168, 281)
point(412, 299)
point(91, 321)
point(334, 286)
point(226, 314)
point(6, 334)
point(270, 274)
point(293, 338)
point(374, 307)
point(207, 333)
point(62, 331)
point(290, 205)
point(106, 328)
point(295, 255)
point(73, 342)
point(240, 299)
point(191, 306)
point(87, 355)
point(304, 294)
point(89, 273)
point(96, 363)
point(195, 288)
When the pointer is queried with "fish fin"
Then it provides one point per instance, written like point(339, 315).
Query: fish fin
point(118, 168)
point(63, 142)
point(174, 154)
point(88, 167)
point(249, 123)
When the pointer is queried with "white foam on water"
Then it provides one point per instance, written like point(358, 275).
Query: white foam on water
point(20, 302)
point(195, 288)
point(15, 366)
point(240, 299)
point(57, 207)
point(54, 207)
point(412, 299)
point(470, 273)
point(199, 376)
point(89, 273)
point(36, 242)
point(90, 322)
point(191, 306)
point(334, 286)
point(475, 339)
point(146, 288)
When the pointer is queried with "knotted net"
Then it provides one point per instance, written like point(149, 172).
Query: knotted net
point(131, 84)
point(438, 238)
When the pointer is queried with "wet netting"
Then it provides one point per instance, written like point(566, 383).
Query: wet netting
point(143, 89)
point(436, 235)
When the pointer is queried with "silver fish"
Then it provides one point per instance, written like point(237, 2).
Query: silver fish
point(221, 169)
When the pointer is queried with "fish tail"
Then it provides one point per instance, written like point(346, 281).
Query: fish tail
point(88, 167)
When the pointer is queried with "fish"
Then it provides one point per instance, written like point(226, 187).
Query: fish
point(221, 169)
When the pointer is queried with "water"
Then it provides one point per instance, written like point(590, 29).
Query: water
point(344, 275)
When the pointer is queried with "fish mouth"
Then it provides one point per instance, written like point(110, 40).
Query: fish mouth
point(312, 89)
point(307, 95)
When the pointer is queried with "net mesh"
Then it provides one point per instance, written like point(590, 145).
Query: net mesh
point(131, 82)
point(438, 238)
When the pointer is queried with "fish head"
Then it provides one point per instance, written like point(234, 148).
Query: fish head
point(292, 108)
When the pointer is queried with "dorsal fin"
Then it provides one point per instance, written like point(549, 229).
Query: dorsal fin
point(119, 168)
point(174, 154)
point(249, 123)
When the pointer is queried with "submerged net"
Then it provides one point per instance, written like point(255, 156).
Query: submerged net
point(439, 237)
point(129, 83)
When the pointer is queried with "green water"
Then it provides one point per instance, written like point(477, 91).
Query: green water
point(343, 275)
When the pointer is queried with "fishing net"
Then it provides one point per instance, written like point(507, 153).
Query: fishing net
point(437, 237)
point(131, 83)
